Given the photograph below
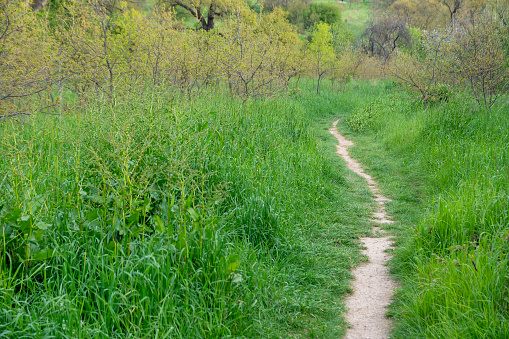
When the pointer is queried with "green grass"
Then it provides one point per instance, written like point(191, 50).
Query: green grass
point(446, 169)
point(164, 217)
point(161, 216)
point(356, 16)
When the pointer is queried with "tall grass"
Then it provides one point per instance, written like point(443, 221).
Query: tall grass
point(159, 216)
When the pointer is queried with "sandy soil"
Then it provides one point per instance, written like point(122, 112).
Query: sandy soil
point(373, 287)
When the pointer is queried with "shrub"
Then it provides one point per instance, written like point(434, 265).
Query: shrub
point(367, 117)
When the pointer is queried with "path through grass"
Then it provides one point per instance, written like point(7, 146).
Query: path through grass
point(446, 169)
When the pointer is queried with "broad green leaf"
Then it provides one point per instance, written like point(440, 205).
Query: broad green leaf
point(158, 223)
point(43, 254)
point(42, 225)
point(233, 263)
point(193, 214)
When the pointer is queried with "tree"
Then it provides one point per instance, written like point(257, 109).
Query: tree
point(297, 11)
point(425, 14)
point(385, 35)
point(480, 57)
point(341, 37)
point(204, 11)
point(471, 54)
point(99, 45)
point(322, 12)
point(257, 54)
point(322, 52)
point(26, 65)
point(453, 7)
point(419, 73)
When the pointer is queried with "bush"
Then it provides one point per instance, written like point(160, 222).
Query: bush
point(367, 117)
point(321, 12)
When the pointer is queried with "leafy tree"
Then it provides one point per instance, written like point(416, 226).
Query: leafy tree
point(322, 52)
point(257, 55)
point(425, 14)
point(341, 36)
point(26, 61)
point(99, 47)
point(297, 10)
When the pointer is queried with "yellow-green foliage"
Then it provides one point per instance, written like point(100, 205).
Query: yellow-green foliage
point(322, 57)
point(92, 49)
point(27, 61)
point(83, 50)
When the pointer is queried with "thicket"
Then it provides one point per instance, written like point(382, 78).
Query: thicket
point(467, 50)
point(77, 51)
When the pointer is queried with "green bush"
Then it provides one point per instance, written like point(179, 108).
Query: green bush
point(321, 12)
point(368, 118)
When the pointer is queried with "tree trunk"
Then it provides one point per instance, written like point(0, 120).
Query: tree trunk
point(209, 22)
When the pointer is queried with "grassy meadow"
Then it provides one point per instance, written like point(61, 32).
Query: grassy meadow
point(356, 15)
point(163, 217)
point(158, 216)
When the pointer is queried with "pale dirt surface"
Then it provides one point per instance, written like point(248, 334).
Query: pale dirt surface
point(373, 287)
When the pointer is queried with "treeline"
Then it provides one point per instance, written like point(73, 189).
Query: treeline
point(79, 50)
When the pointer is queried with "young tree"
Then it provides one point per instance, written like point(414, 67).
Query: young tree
point(26, 61)
point(423, 70)
point(342, 38)
point(257, 54)
point(100, 45)
point(480, 57)
point(322, 52)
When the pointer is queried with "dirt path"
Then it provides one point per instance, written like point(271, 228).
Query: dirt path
point(373, 287)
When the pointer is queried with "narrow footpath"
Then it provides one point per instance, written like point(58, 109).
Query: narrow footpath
point(373, 287)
